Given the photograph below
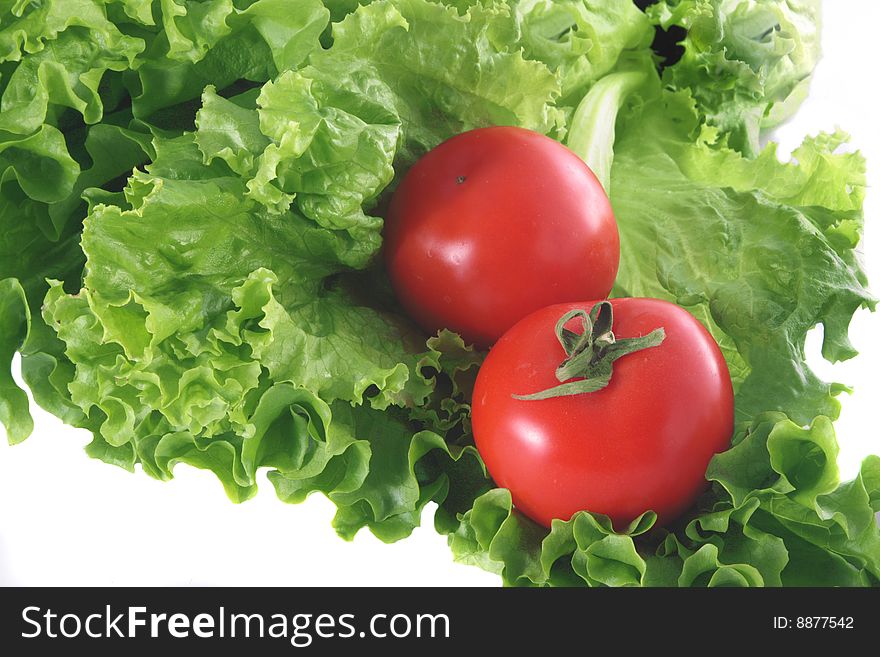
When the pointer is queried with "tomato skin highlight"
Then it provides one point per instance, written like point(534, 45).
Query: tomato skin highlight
point(641, 443)
point(496, 223)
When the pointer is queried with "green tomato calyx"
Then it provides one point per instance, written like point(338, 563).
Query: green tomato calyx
point(590, 355)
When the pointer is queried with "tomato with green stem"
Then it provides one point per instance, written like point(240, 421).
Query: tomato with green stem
point(578, 409)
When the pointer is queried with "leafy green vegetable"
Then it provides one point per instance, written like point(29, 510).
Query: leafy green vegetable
point(760, 270)
point(14, 319)
point(191, 197)
point(746, 62)
point(579, 41)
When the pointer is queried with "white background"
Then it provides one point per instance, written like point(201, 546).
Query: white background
point(66, 519)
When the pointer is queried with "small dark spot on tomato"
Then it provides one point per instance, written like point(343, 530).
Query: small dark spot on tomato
point(460, 179)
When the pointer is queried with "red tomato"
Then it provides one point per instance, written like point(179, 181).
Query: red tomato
point(494, 224)
point(641, 443)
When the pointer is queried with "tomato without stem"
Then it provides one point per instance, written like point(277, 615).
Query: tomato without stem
point(494, 224)
point(643, 442)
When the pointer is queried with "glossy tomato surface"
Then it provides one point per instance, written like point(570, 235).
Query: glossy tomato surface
point(641, 443)
point(494, 224)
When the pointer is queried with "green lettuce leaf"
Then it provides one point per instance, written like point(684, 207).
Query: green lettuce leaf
point(14, 320)
point(39, 163)
point(581, 41)
point(220, 43)
point(66, 72)
point(748, 250)
point(746, 62)
point(219, 282)
point(437, 91)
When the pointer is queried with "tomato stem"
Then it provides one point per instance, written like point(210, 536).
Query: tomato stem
point(590, 355)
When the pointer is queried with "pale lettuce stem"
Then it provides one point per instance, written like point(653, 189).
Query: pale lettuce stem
point(592, 129)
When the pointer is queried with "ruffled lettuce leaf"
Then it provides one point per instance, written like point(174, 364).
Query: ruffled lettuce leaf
point(71, 73)
point(41, 182)
point(14, 320)
point(56, 55)
point(746, 62)
point(220, 322)
point(580, 41)
point(749, 249)
point(438, 91)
